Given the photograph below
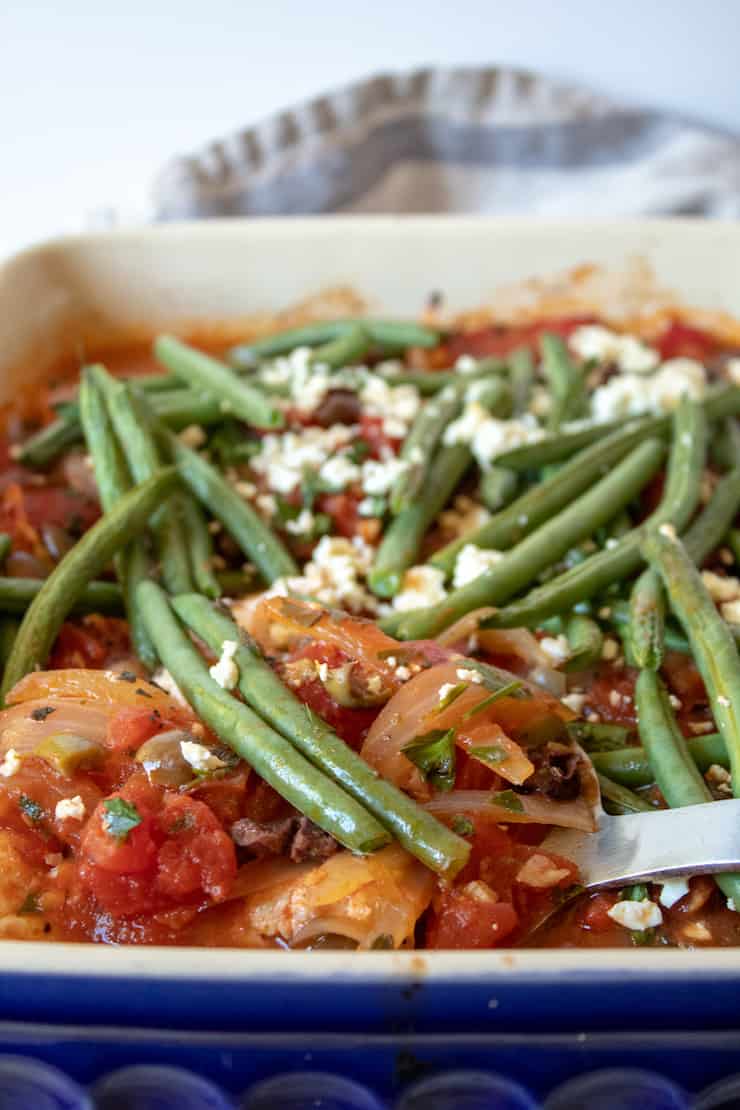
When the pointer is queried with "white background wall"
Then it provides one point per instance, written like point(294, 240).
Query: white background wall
point(95, 96)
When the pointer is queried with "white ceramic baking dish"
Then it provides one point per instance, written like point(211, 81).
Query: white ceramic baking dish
point(85, 290)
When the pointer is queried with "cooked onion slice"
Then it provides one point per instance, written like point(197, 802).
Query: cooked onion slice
point(534, 809)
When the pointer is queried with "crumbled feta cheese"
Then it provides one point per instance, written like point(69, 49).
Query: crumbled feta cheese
point(467, 674)
point(730, 904)
point(282, 459)
point(633, 395)
point(669, 531)
point(70, 809)
point(445, 690)
point(466, 515)
point(724, 701)
point(615, 698)
point(721, 587)
point(247, 490)
point(627, 351)
point(731, 611)
point(11, 764)
point(397, 405)
point(339, 472)
point(164, 679)
point(636, 916)
point(487, 436)
point(575, 702)
point(719, 778)
point(473, 561)
point(303, 525)
point(672, 891)
point(541, 402)
point(466, 364)
point(556, 648)
point(403, 674)
point(200, 758)
point(700, 727)
point(335, 575)
point(225, 672)
point(379, 477)
point(267, 504)
point(609, 649)
point(421, 586)
point(541, 873)
point(193, 436)
point(675, 702)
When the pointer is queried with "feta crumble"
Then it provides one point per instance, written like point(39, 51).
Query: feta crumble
point(466, 515)
point(730, 611)
point(335, 575)
point(473, 561)
point(225, 672)
point(672, 891)
point(339, 472)
point(721, 588)
point(629, 352)
point(379, 477)
point(282, 459)
point(636, 916)
point(421, 586)
point(303, 525)
point(556, 648)
point(633, 394)
point(574, 702)
point(445, 690)
point(11, 764)
point(467, 674)
point(487, 436)
point(70, 809)
point(193, 436)
point(200, 758)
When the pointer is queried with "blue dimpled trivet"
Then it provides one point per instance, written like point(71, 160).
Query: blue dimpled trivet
point(466, 1090)
point(28, 1084)
point(618, 1089)
point(309, 1090)
point(150, 1087)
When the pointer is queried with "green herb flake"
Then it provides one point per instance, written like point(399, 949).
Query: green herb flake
point(120, 818)
point(359, 451)
point(31, 809)
point(373, 507)
point(30, 903)
point(434, 754)
point(490, 754)
point(462, 825)
point(505, 691)
point(638, 892)
point(451, 696)
point(507, 799)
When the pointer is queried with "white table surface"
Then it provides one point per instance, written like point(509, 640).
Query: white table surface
point(95, 97)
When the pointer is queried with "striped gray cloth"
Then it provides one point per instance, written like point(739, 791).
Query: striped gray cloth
point(492, 140)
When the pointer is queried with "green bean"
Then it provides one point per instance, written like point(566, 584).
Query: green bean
point(236, 583)
point(402, 541)
point(418, 447)
point(498, 487)
point(113, 481)
point(430, 382)
point(421, 834)
point(126, 413)
point(146, 383)
point(5, 545)
point(673, 638)
point(200, 547)
point(347, 349)
point(631, 766)
point(393, 333)
point(711, 525)
point(598, 736)
point(269, 753)
point(568, 399)
point(675, 771)
point(179, 408)
point(542, 547)
point(620, 798)
point(713, 646)
point(614, 564)
point(585, 640)
point(43, 447)
point(8, 632)
point(16, 594)
point(647, 621)
point(521, 377)
point(64, 587)
point(725, 445)
point(207, 373)
point(733, 539)
point(493, 394)
point(221, 500)
point(538, 504)
point(720, 402)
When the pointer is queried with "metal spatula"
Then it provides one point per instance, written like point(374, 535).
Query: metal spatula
point(689, 841)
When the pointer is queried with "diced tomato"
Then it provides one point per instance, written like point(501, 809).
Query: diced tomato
point(683, 341)
point(371, 430)
point(136, 853)
point(129, 728)
point(343, 510)
point(594, 914)
point(459, 920)
point(197, 854)
point(500, 339)
point(91, 643)
point(607, 680)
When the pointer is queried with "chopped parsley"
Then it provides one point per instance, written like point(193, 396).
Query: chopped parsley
point(462, 825)
point(126, 676)
point(490, 754)
point(638, 892)
point(30, 903)
point(41, 712)
point(31, 809)
point(507, 799)
point(505, 691)
point(120, 818)
point(434, 754)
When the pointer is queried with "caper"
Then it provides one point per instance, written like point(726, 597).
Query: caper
point(162, 759)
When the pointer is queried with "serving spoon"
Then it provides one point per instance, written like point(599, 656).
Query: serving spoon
point(693, 840)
